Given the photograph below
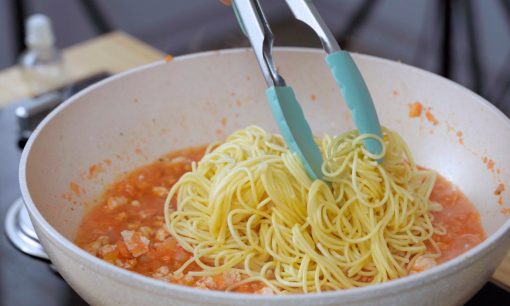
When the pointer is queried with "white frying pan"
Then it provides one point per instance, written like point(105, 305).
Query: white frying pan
point(135, 117)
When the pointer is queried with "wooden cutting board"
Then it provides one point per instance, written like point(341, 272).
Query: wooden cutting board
point(502, 275)
point(114, 52)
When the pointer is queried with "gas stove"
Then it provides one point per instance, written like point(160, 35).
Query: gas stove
point(26, 274)
point(24, 280)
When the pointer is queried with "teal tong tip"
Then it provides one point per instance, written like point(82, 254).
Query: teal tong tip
point(284, 106)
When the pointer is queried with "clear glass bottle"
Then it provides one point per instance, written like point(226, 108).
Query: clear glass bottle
point(41, 63)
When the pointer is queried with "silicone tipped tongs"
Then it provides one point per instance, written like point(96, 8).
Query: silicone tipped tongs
point(286, 110)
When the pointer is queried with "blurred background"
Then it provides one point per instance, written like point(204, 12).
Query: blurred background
point(465, 40)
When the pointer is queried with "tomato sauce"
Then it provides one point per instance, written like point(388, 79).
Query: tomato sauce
point(460, 219)
point(127, 227)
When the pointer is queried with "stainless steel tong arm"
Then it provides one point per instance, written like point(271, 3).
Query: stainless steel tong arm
point(256, 28)
point(306, 12)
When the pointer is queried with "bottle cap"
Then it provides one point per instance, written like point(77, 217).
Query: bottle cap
point(39, 31)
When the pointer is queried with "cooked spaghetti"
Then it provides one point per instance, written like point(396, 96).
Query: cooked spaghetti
point(248, 206)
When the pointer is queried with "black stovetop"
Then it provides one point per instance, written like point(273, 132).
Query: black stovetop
point(29, 281)
point(24, 280)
